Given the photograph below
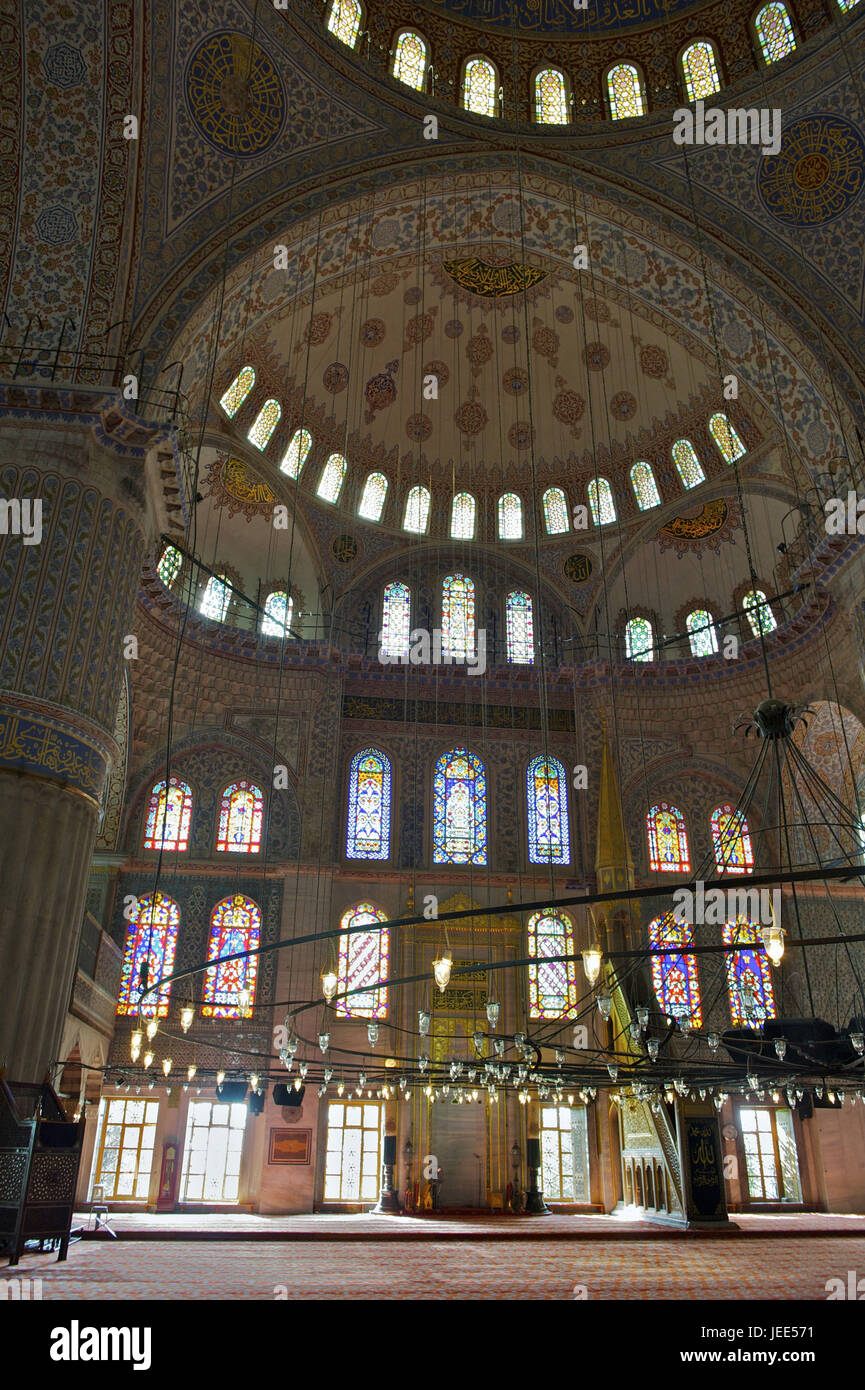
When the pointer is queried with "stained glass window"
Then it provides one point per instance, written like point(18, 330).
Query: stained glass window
point(396, 620)
point(277, 614)
point(551, 97)
point(169, 565)
point(510, 517)
point(547, 793)
point(238, 391)
point(363, 963)
point(674, 974)
point(416, 511)
point(701, 70)
point(625, 91)
point(601, 503)
point(731, 841)
point(552, 983)
point(774, 31)
point(332, 476)
point(215, 599)
point(463, 517)
point(668, 840)
point(479, 87)
point(458, 617)
point(689, 468)
point(556, 512)
point(240, 813)
point(749, 978)
point(521, 642)
point(167, 825)
point(234, 926)
point(151, 941)
point(409, 60)
point(344, 20)
point(726, 438)
point(372, 501)
point(368, 835)
point(295, 455)
point(264, 424)
point(639, 640)
point(701, 633)
point(645, 487)
point(846, 5)
point(760, 615)
point(459, 809)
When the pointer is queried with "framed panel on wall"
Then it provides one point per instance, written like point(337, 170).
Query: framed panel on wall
point(289, 1146)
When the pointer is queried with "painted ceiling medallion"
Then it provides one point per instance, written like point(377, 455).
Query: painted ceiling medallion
point(818, 174)
point(493, 281)
point(710, 524)
point(233, 484)
point(235, 94)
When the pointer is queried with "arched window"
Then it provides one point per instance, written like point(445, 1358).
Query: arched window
point(668, 840)
point(396, 621)
point(168, 816)
point(758, 609)
point(510, 517)
point(332, 477)
point(701, 633)
point(674, 974)
point(374, 494)
point(645, 487)
point(480, 85)
point(689, 468)
point(556, 517)
point(363, 963)
point(731, 841)
point(547, 795)
point(459, 809)
point(151, 941)
point(458, 617)
point(726, 438)
point(169, 565)
point(234, 926)
point(846, 5)
point(416, 511)
point(775, 31)
point(520, 633)
point(700, 70)
point(551, 97)
point(463, 511)
point(296, 453)
point(238, 391)
point(278, 608)
point(368, 834)
point(241, 809)
point(215, 599)
point(344, 20)
point(409, 59)
point(601, 503)
point(264, 424)
point(749, 979)
point(639, 640)
point(552, 983)
point(625, 91)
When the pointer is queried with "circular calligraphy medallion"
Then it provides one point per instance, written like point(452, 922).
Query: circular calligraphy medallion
point(818, 173)
point(235, 94)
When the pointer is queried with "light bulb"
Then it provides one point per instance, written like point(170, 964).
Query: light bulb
point(324, 1041)
point(220, 1078)
point(372, 1033)
point(340, 1090)
point(492, 1012)
point(773, 940)
point(254, 1080)
point(166, 1065)
point(442, 970)
point(592, 958)
point(187, 1014)
point(297, 1083)
point(151, 1029)
point(148, 1059)
point(328, 983)
point(190, 1071)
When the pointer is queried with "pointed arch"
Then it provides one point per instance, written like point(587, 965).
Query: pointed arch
point(235, 925)
point(668, 839)
point(215, 598)
point(510, 517)
point(459, 809)
point(151, 940)
point(759, 612)
point(169, 566)
point(369, 801)
point(702, 633)
point(363, 962)
point(232, 399)
point(278, 608)
point(551, 97)
point(373, 499)
point(332, 478)
point(725, 436)
point(480, 87)
point(731, 840)
point(417, 503)
point(674, 973)
point(458, 617)
point(774, 30)
point(639, 640)
point(700, 70)
point(547, 797)
point(410, 59)
point(241, 810)
point(644, 485)
point(463, 514)
point(749, 977)
point(556, 517)
point(169, 811)
point(601, 503)
point(264, 424)
point(625, 91)
point(688, 466)
point(520, 628)
point(552, 983)
point(296, 454)
point(344, 19)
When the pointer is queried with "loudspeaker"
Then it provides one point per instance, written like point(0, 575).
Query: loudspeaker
point(389, 1151)
point(287, 1095)
point(533, 1153)
point(231, 1092)
point(255, 1104)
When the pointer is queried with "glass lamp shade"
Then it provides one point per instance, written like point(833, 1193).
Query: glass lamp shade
point(190, 1071)
point(151, 1029)
point(324, 1041)
point(492, 1012)
point(605, 1005)
point(254, 1080)
point(592, 958)
point(773, 940)
point(220, 1077)
point(652, 1046)
point(372, 1033)
point(166, 1065)
point(442, 971)
point(136, 1038)
point(187, 1014)
point(329, 983)
point(243, 998)
point(148, 1059)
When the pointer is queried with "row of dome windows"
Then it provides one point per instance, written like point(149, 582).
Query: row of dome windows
point(640, 642)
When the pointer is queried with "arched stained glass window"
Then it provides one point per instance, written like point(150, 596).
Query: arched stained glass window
point(344, 20)
point(510, 517)
point(547, 796)
point(459, 809)
point(674, 974)
point(409, 59)
point(701, 633)
point(238, 391)
point(520, 633)
point(731, 841)
point(846, 5)
point(645, 487)
point(601, 503)
point(639, 640)
point(296, 454)
point(215, 599)
point(668, 840)
point(700, 69)
point(689, 468)
point(552, 983)
point(416, 511)
point(458, 617)
point(479, 87)
point(363, 963)
point(551, 97)
point(463, 517)
point(241, 809)
point(332, 476)
point(726, 438)
point(749, 978)
point(169, 565)
point(625, 91)
point(369, 784)
point(264, 424)
point(277, 614)
point(775, 31)
point(556, 517)
point(374, 494)
point(151, 941)
point(396, 621)
point(759, 611)
point(234, 926)
point(168, 816)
